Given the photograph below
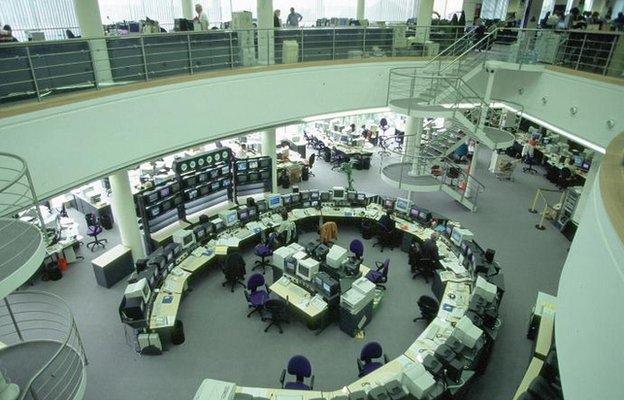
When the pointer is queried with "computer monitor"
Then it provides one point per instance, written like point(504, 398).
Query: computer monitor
point(164, 192)
point(177, 200)
point(139, 289)
point(585, 165)
point(185, 238)
point(274, 201)
point(218, 224)
point(192, 194)
point(151, 197)
point(338, 193)
point(229, 217)
point(153, 211)
point(202, 177)
point(314, 203)
point(175, 187)
point(265, 162)
point(241, 165)
point(254, 176)
point(190, 181)
point(325, 197)
point(208, 228)
point(336, 256)
point(305, 196)
point(307, 268)
point(241, 178)
point(296, 198)
point(414, 211)
point(253, 164)
point(225, 170)
point(215, 186)
point(351, 196)
point(214, 173)
point(458, 235)
point(448, 230)
point(306, 204)
point(424, 215)
point(402, 205)
point(204, 190)
point(262, 206)
point(314, 195)
point(290, 266)
point(252, 211)
point(243, 213)
point(264, 175)
point(578, 161)
point(286, 200)
point(199, 232)
point(388, 204)
point(165, 205)
point(361, 198)
point(225, 183)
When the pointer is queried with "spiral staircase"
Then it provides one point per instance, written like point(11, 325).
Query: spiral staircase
point(439, 89)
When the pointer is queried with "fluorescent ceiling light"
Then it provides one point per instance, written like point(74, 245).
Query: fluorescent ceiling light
point(347, 114)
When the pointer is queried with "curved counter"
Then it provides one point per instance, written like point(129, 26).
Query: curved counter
point(460, 290)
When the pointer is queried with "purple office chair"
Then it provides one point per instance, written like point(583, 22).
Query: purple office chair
point(301, 368)
point(255, 296)
point(379, 276)
point(94, 228)
point(357, 248)
point(264, 250)
point(370, 351)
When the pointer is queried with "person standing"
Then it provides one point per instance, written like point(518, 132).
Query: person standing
point(293, 18)
point(201, 17)
point(6, 35)
point(277, 22)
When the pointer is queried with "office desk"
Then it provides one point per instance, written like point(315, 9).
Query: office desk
point(299, 298)
point(532, 372)
point(99, 209)
point(380, 375)
point(164, 311)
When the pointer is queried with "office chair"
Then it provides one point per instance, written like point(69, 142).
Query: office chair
point(564, 180)
point(424, 267)
point(301, 368)
point(256, 298)
point(337, 159)
point(234, 271)
point(379, 276)
point(311, 164)
point(385, 238)
point(94, 229)
point(264, 250)
point(357, 248)
point(278, 313)
point(530, 162)
point(365, 363)
point(428, 307)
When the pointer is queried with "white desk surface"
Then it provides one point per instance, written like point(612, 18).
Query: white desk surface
point(533, 371)
point(380, 375)
point(165, 310)
point(110, 255)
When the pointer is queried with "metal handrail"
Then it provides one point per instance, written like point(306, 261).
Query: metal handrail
point(473, 47)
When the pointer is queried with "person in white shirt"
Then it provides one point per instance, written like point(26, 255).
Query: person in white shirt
point(201, 17)
point(287, 230)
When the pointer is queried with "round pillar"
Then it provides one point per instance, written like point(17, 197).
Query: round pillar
point(187, 9)
point(266, 43)
point(269, 148)
point(90, 22)
point(413, 137)
point(122, 204)
point(423, 20)
point(360, 11)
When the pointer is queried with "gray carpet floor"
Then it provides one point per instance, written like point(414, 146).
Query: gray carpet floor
point(222, 343)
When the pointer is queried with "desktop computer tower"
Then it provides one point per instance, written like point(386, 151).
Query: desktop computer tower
point(351, 324)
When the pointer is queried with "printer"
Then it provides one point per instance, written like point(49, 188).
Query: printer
point(281, 254)
point(467, 332)
point(485, 289)
point(359, 296)
point(336, 257)
point(418, 381)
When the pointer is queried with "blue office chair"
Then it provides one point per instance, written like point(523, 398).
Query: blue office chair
point(264, 250)
point(365, 363)
point(255, 296)
point(379, 276)
point(301, 368)
point(357, 248)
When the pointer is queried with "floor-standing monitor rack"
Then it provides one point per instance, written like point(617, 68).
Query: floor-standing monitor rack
point(252, 175)
point(206, 179)
point(159, 207)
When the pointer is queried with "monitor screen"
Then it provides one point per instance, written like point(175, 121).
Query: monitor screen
point(265, 175)
point(208, 228)
point(203, 177)
point(275, 201)
point(290, 265)
point(265, 162)
point(304, 271)
point(177, 200)
point(306, 204)
point(187, 240)
point(464, 246)
point(232, 218)
point(225, 183)
point(296, 198)
point(585, 166)
point(448, 230)
point(199, 232)
point(252, 212)
point(456, 236)
point(175, 187)
point(314, 195)
point(414, 212)
point(152, 197)
point(314, 203)
point(262, 205)
point(338, 194)
point(286, 199)
point(402, 205)
point(154, 211)
point(190, 182)
point(215, 186)
point(388, 204)
point(578, 161)
point(326, 288)
point(318, 281)
point(325, 196)
point(192, 194)
point(241, 178)
point(241, 165)
point(243, 215)
point(166, 191)
point(214, 173)
point(305, 196)
point(361, 197)
point(254, 176)
point(424, 215)
point(253, 164)
point(165, 205)
point(351, 196)
point(204, 190)
point(225, 170)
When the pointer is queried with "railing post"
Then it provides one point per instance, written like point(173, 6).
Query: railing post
point(95, 80)
point(190, 55)
point(334, 44)
point(33, 74)
point(232, 50)
point(540, 226)
point(578, 60)
point(8, 306)
point(301, 47)
point(144, 60)
point(606, 68)
point(532, 210)
point(364, 42)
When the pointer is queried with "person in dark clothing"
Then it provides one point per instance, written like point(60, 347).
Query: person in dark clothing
point(6, 35)
point(277, 22)
point(429, 248)
point(387, 222)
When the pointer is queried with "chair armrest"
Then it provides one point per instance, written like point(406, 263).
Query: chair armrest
point(267, 288)
point(360, 364)
point(312, 383)
point(378, 265)
point(282, 377)
point(385, 357)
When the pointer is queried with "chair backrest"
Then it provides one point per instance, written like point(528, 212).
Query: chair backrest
point(277, 307)
point(254, 282)
point(271, 240)
point(234, 263)
point(300, 367)
point(91, 220)
point(428, 305)
point(311, 160)
point(371, 350)
point(357, 247)
point(566, 173)
point(385, 267)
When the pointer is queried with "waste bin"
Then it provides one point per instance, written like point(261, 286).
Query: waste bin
point(177, 335)
point(367, 229)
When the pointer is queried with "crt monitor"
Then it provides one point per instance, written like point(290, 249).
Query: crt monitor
point(241, 165)
point(275, 201)
point(296, 198)
point(254, 176)
point(306, 204)
point(585, 166)
point(578, 161)
point(241, 178)
point(164, 192)
point(251, 212)
point(424, 215)
point(202, 177)
point(314, 203)
point(184, 237)
point(338, 193)
point(253, 164)
point(351, 196)
point(192, 194)
point(448, 230)
point(262, 206)
point(314, 195)
point(190, 181)
point(265, 175)
point(175, 187)
point(214, 173)
point(286, 199)
point(325, 197)
point(402, 205)
point(361, 197)
point(305, 196)
point(154, 211)
point(225, 170)
point(215, 186)
point(199, 232)
point(243, 213)
point(388, 204)
point(265, 162)
point(151, 197)
point(290, 266)
point(229, 217)
point(414, 211)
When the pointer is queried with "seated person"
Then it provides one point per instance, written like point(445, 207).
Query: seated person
point(328, 232)
point(429, 248)
point(287, 230)
point(387, 222)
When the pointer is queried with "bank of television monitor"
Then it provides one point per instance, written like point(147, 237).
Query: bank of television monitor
point(388, 204)
point(402, 205)
point(274, 201)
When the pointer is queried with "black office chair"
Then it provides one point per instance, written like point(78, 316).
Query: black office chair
point(428, 307)
point(311, 161)
point(565, 176)
point(385, 238)
point(234, 271)
point(278, 313)
point(424, 267)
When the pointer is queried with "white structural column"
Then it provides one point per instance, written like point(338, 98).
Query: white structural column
point(266, 42)
point(413, 136)
point(361, 10)
point(469, 9)
point(187, 8)
point(532, 14)
point(423, 19)
point(90, 22)
point(122, 204)
point(269, 148)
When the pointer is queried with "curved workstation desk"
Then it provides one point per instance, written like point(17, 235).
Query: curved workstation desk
point(452, 350)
